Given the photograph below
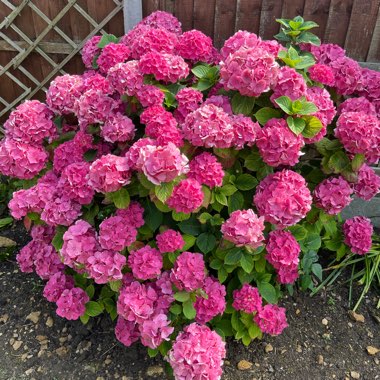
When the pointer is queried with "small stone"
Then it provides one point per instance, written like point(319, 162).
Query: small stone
point(268, 348)
point(154, 370)
point(6, 243)
point(298, 312)
point(227, 362)
point(24, 357)
point(355, 375)
point(320, 359)
point(34, 316)
point(244, 365)
point(100, 378)
point(41, 338)
point(29, 371)
point(372, 350)
point(49, 322)
point(377, 361)
point(325, 322)
point(11, 341)
point(107, 361)
point(4, 318)
point(17, 344)
point(299, 348)
point(356, 317)
point(350, 324)
point(61, 351)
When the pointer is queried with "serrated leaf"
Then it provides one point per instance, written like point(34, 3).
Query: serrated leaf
point(57, 241)
point(203, 84)
point(190, 227)
point(304, 62)
point(221, 198)
point(90, 290)
point(5, 222)
point(235, 202)
point(200, 71)
point(120, 198)
point(228, 190)
point(216, 264)
point(222, 275)
point(107, 39)
point(182, 296)
point(84, 318)
point(317, 270)
point(152, 353)
point(312, 127)
point(296, 125)
point(357, 162)
point(308, 25)
point(204, 217)
point(247, 263)
point(115, 285)
point(206, 242)
point(266, 113)
point(254, 331)
point(307, 108)
point(180, 216)
point(308, 38)
point(93, 308)
point(246, 182)
point(188, 309)
point(285, 104)
point(242, 104)
point(164, 191)
point(152, 216)
point(189, 242)
point(233, 256)
point(298, 232)
point(176, 309)
point(267, 291)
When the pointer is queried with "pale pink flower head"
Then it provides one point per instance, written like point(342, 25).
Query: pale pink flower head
point(112, 54)
point(150, 95)
point(165, 20)
point(283, 249)
point(207, 170)
point(214, 304)
point(194, 46)
point(240, 39)
point(221, 101)
point(169, 241)
point(188, 100)
point(209, 126)
point(164, 67)
point(126, 78)
point(109, 173)
point(146, 263)
point(359, 133)
point(63, 93)
point(357, 233)
point(126, 332)
point(31, 122)
point(79, 243)
point(188, 272)
point(56, 285)
point(21, 160)
point(247, 299)
point(197, 353)
point(115, 234)
point(186, 197)
point(155, 331)
point(61, 210)
point(347, 74)
point(136, 153)
point(133, 215)
point(368, 183)
point(283, 198)
point(118, 128)
point(90, 50)
point(47, 261)
point(72, 303)
point(105, 266)
point(322, 74)
point(333, 195)
point(360, 104)
point(251, 71)
point(244, 228)
point(271, 319)
point(278, 145)
point(289, 83)
point(164, 164)
point(327, 53)
point(246, 131)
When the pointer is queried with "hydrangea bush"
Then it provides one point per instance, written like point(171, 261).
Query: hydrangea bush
point(182, 189)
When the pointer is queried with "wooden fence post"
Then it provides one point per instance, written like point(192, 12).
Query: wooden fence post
point(132, 13)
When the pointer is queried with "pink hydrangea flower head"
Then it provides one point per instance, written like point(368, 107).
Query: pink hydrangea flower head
point(278, 145)
point(322, 74)
point(288, 274)
point(74, 185)
point(244, 228)
point(47, 261)
point(209, 126)
point(25, 258)
point(115, 234)
point(154, 332)
point(109, 173)
point(63, 93)
point(79, 243)
point(369, 87)
point(150, 95)
point(136, 302)
point(194, 46)
point(97, 82)
point(56, 285)
point(220, 101)
point(283, 198)
point(186, 197)
point(165, 20)
point(360, 104)
point(105, 266)
point(72, 303)
point(207, 170)
point(118, 128)
point(133, 34)
point(283, 250)
point(240, 39)
point(333, 195)
point(214, 304)
point(136, 153)
point(271, 319)
point(289, 83)
point(112, 54)
point(146, 263)
point(197, 353)
point(188, 100)
point(251, 71)
point(25, 201)
point(327, 53)
point(247, 299)
point(157, 119)
point(357, 233)
point(133, 215)
point(188, 272)
point(90, 50)
point(368, 183)
point(347, 74)
point(61, 210)
point(169, 241)
point(246, 131)
point(164, 289)
point(31, 122)
point(164, 164)
point(42, 233)
point(126, 78)
point(164, 67)
point(21, 160)
point(126, 332)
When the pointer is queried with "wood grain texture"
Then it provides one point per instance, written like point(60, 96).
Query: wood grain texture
point(318, 11)
point(248, 13)
point(270, 10)
point(292, 8)
point(149, 6)
point(224, 23)
point(184, 12)
point(204, 13)
point(374, 49)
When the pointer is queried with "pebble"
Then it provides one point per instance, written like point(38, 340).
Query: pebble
point(298, 312)
point(299, 348)
point(372, 350)
point(41, 338)
point(34, 316)
point(4, 318)
point(320, 359)
point(29, 371)
point(356, 317)
point(325, 322)
point(355, 375)
point(107, 361)
point(154, 370)
point(61, 351)
point(268, 348)
point(49, 322)
point(17, 344)
point(243, 365)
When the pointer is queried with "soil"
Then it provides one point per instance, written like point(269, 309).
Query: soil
point(321, 342)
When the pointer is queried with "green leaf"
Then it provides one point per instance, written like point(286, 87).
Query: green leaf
point(233, 256)
point(5, 222)
point(222, 275)
point(246, 339)
point(216, 264)
point(180, 216)
point(296, 125)
point(283, 21)
point(90, 155)
point(84, 318)
point(285, 104)
point(182, 296)
point(225, 326)
point(317, 270)
point(308, 25)
point(228, 190)
point(312, 127)
point(221, 198)
point(164, 191)
point(235, 202)
point(357, 162)
point(189, 310)
point(312, 242)
point(57, 241)
point(305, 62)
point(254, 331)
point(299, 232)
point(206, 242)
point(107, 39)
point(152, 353)
point(242, 104)
point(246, 182)
point(153, 217)
point(295, 24)
point(200, 71)
point(308, 38)
point(90, 290)
point(115, 285)
point(93, 308)
point(189, 242)
point(203, 84)
point(247, 263)
point(265, 114)
point(204, 217)
point(176, 309)
point(338, 162)
point(190, 227)
point(267, 291)
point(307, 108)
point(90, 213)
point(120, 198)
point(342, 250)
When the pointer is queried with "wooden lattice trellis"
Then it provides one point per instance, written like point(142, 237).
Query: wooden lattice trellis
point(56, 54)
